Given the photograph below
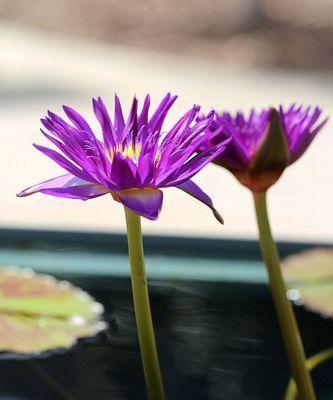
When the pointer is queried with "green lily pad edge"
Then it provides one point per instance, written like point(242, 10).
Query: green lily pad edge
point(309, 280)
point(39, 313)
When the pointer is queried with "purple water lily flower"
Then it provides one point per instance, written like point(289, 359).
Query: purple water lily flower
point(133, 160)
point(264, 143)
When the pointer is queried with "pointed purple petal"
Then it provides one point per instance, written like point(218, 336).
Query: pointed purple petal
point(77, 119)
point(68, 186)
point(104, 119)
point(191, 167)
point(145, 202)
point(193, 190)
point(119, 122)
point(143, 118)
point(62, 161)
point(122, 172)
point(131, 126)
point(156, 121)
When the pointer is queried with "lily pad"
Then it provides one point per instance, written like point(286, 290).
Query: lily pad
point(39, 313)
point(309, 279)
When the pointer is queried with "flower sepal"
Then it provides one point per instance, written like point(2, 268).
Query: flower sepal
point(146, 202)
point(270, 159)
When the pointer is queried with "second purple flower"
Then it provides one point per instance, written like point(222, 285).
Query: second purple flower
point(264, 143)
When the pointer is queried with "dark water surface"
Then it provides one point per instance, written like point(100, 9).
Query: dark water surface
point(216, 341)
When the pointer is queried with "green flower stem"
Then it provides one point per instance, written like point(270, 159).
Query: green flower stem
point(144, 321)
point(284, 310)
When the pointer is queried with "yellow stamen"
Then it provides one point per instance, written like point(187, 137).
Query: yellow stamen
point(157, 155)
point(132, 152)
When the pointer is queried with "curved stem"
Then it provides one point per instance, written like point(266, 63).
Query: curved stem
point(143, 317)
point(52, 382)
point(284, 310)
point(311, 363)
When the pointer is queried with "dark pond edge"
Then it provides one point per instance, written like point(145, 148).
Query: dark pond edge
point(163, 245)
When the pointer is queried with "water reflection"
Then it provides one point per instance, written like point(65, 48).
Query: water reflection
point(216, 341)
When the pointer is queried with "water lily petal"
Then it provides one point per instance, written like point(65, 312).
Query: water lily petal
point(119, 122)
point(68, 186)
point(143, 117)
point(62, 161)
point(78, 121)
point(104, 119)
point(145, 202)
point(192, 189)
point(156, 121)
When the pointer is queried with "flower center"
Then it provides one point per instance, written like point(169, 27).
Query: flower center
point(132, 151)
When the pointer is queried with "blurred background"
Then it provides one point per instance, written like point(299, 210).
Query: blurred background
point(222, 54)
